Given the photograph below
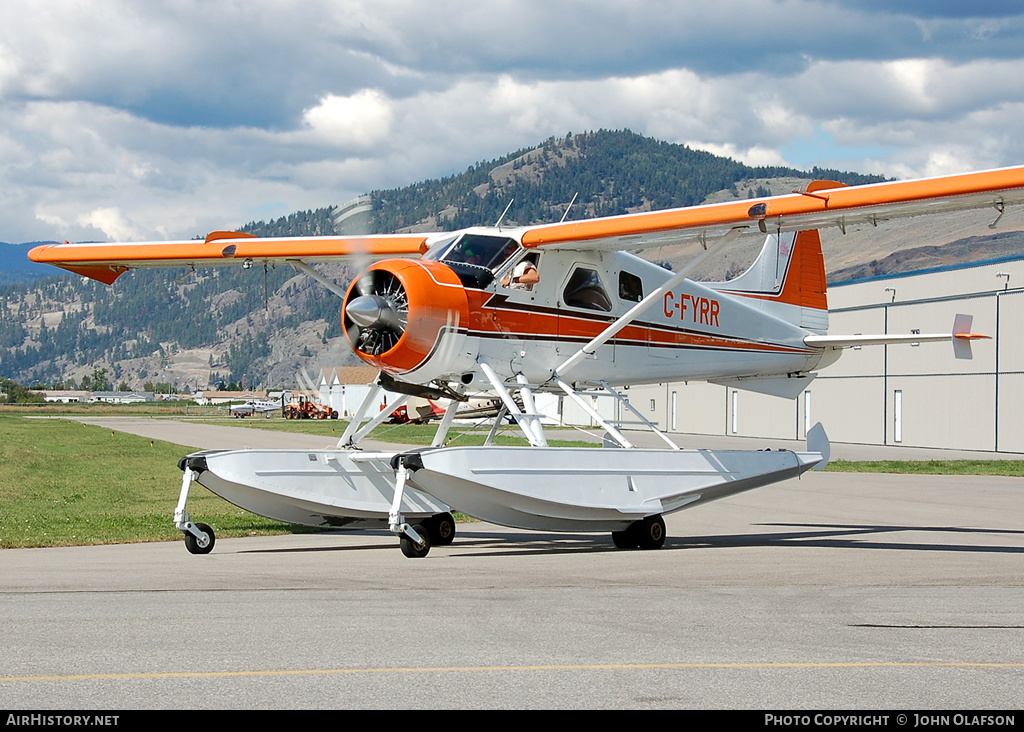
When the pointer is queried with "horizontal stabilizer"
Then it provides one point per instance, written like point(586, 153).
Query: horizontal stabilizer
point(961, 337)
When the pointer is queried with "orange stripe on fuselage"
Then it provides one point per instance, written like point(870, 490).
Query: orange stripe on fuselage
point(493, 316)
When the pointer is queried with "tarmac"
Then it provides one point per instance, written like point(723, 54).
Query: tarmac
point(836, 591)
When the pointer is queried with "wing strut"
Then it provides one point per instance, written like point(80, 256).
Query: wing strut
point(630, 407)
point(353, 434)
point(529, 423)
point(301, 266)
point(446, 423)
point(576, 397)
point(496, 426)
point(634, 312)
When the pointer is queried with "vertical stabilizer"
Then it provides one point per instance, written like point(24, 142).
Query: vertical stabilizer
point(788, 278)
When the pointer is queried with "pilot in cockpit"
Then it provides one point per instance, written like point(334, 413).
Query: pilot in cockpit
point(524, 275)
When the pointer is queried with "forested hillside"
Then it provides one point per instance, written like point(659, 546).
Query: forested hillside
point(257, 327)
point(612, 173)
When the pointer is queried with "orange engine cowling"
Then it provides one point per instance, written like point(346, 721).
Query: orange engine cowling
point(407, 317)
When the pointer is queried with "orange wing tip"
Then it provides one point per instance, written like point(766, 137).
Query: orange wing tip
point(970, 336)
point(823, 185)
point(216, 235)
point(101, 273)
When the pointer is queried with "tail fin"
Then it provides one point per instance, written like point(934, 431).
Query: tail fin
point(788, 278)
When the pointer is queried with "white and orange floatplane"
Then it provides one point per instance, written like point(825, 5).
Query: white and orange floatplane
point(563, 308)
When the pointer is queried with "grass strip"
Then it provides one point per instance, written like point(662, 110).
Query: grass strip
point(63, 483)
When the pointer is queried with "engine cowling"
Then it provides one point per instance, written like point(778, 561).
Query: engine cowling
point(407, 318)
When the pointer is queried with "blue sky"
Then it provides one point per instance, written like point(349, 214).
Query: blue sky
point(135, 121)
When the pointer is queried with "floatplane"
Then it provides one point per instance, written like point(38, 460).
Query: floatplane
point(565, 308)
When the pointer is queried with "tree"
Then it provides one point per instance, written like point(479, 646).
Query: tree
point(12, 392)
point(97, 382)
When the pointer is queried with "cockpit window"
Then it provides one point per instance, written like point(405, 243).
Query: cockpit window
point(475, 257)
point(478, 250)
point(584, 290)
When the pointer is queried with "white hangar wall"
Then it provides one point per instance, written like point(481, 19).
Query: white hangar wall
point(915, 396)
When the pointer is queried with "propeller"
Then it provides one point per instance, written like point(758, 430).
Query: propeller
point(376, 317)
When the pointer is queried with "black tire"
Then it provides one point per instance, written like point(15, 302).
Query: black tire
point(192, 543)
point(413, 550)
point(624, 539)
point(441, 529)
point(650, 533)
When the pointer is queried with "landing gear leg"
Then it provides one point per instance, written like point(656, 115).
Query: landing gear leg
point(415, 541)
point(199, 538)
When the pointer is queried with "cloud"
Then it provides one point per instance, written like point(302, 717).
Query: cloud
point(122, 119)
point(360, 120)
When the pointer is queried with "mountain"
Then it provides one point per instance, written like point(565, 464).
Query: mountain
point(15, 265)
point(610, 173)
point(258, 327)
point(1000, 245)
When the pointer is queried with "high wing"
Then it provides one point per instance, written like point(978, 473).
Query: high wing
point(823, 204)
point(106, 262)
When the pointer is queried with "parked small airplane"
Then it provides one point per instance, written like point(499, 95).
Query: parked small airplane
point(563, 308)
point(254, 406)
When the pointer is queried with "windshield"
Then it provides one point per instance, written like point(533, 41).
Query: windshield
point(478, 250)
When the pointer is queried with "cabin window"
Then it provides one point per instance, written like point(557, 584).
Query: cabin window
point(631, 288)
point(585, 290)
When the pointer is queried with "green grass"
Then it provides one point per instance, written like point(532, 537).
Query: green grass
point(63, 483)
point(405, 434)
point(1013, 468)
point(143, 409)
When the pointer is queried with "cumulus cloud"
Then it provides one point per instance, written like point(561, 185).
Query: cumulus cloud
point(145, 120)
point(360, 120)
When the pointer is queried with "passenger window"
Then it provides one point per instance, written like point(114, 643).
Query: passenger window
point(630, 287)
point(584, 290)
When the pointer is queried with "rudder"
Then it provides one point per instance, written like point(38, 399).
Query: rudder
point(788, 278)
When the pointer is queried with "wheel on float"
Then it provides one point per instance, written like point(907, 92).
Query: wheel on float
point(441, 529)
point(650, 533)
point(413, 550)
point(192, 542)
point(624, 539)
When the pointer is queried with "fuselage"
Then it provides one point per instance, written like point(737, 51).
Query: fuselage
point(462, 302)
